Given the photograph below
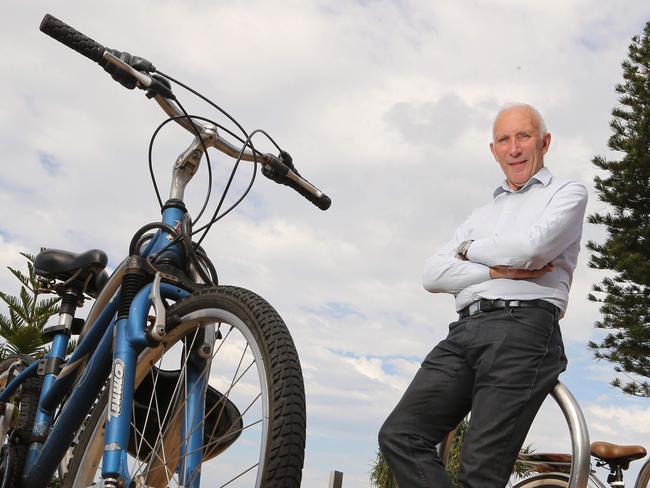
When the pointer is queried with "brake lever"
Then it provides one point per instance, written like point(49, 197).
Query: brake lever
point(146, 82)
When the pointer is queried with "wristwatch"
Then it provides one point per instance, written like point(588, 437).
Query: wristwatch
point(461, 250)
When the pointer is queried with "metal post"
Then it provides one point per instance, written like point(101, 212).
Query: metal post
point(336, 479)
point(581, 448)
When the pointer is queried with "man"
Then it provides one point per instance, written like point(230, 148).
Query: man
point(509, 266)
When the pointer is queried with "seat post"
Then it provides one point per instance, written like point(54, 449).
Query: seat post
point(50, 366)
point(70, 298)
point(615, 477)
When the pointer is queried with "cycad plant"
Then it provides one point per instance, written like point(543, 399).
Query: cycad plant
point(27, 314)
point(453, 462)
point(380, 473)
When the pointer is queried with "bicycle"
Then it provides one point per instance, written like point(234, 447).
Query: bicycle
point(157, 390)
point(552, 469)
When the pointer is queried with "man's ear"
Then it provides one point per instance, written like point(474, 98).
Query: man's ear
point(492, 150)
point(546, 142)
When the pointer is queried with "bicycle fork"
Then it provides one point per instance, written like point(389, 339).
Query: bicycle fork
point(131, 338)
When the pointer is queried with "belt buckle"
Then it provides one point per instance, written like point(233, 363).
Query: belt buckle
point(480, 306)
point(485, 305)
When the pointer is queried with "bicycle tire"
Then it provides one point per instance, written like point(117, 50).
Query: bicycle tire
point(643, 479)
point(14, 446)
point(282, 434)
point(547, 480)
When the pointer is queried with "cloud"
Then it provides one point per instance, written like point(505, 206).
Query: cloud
point(387, 106)
point(432, 123)
point(613, 419)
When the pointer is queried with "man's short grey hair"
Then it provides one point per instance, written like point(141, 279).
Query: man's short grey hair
point(539, 120)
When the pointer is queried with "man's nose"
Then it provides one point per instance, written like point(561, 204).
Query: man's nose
point(515, 148)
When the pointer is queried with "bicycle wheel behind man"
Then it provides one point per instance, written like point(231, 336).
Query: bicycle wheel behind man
point(509, 266)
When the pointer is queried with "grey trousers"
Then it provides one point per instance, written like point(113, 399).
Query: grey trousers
point(500, 365)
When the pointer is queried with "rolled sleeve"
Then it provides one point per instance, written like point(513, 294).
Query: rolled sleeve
point(445, 273)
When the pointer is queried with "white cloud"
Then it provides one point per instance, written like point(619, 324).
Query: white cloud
point(617, 418)
point(385, 105)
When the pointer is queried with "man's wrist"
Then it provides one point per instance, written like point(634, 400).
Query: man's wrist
point(461, 250)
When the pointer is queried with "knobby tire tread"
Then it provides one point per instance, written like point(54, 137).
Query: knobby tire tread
point(287, 401)
point(285, 453)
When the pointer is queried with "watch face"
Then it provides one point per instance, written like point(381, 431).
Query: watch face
point(461, 252)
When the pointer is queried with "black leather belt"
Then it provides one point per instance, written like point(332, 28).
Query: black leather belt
point(491, 305)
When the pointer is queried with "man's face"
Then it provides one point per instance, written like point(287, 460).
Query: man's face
point(518, 146)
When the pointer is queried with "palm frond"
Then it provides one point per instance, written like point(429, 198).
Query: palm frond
point(5, 324)
point(11, 301)
point(22, 327)
point(16, 320)
point(25, 280)
point(26, 300)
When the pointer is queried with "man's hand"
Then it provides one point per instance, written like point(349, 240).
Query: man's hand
point(519, 274)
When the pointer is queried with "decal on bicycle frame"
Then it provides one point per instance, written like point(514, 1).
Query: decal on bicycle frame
point(117, 382)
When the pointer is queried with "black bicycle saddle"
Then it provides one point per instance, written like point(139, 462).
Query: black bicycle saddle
point(63, 265)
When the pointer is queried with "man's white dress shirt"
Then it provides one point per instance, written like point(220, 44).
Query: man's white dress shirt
point(538, 224)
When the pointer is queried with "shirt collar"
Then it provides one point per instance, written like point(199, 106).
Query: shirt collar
point(543, 176)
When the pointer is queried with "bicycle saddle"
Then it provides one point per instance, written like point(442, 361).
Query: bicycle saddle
point(62, 265)
point(613, 454)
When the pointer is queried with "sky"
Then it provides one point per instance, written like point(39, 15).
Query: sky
point(386, 106)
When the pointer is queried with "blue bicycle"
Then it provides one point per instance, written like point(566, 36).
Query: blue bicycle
point(175, 380)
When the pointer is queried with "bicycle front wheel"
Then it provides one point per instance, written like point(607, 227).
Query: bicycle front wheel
point(254, 415)
point(548, 480)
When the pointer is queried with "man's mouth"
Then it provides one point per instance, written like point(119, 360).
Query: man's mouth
point(518, 164)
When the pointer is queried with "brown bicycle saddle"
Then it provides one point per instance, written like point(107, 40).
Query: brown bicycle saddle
point(615, 454)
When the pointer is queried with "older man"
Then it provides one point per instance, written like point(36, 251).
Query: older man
point(509, 266)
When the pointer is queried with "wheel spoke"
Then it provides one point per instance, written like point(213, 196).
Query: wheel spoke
point(242, 423)
point(240, 475)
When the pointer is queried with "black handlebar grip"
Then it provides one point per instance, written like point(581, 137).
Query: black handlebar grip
point(323, 202)
point(276, 170)
point(72, 38)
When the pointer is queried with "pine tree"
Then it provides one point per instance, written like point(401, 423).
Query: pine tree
point(22, 328)
point(625, 294)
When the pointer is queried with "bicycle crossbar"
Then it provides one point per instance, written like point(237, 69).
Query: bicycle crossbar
point(581, 448)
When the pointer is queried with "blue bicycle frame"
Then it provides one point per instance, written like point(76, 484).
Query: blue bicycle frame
point(110, 345)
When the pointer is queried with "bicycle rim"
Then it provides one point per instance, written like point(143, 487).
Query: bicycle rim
point(550, 480)
point(242, 410)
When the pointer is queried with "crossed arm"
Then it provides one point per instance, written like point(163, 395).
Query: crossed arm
point(520, 254)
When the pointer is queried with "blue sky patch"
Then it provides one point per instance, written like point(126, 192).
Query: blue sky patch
point(349, 354)
point(340, 310)
point(49, 163)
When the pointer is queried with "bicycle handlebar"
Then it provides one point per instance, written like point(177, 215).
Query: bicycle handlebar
point(131, 71)
point(72, 38)
point(273, 167)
